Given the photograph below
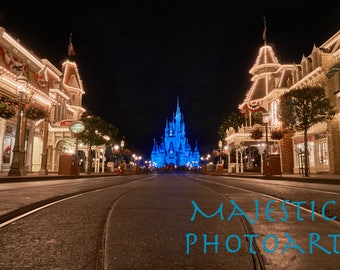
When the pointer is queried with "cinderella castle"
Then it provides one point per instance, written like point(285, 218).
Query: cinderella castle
point(174, 149)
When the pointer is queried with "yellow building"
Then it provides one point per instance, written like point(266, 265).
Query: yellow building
point(270, 80)
point(54, 93)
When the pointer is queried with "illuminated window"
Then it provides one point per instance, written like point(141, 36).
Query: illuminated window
point(301, 155)
point(323, 153)
point(274, 113)
point(7, 146)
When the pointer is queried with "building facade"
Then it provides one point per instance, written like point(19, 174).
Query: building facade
point(270, 80)
point(174, 149)
point(57, 93)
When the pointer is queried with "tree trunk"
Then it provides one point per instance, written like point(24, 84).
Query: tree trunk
point(306, 153)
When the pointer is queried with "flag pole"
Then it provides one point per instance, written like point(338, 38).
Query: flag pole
point(264, 35)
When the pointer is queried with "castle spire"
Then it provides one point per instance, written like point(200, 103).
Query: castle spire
point(178, 111)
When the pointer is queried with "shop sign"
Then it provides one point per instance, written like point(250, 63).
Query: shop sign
point(66, 123)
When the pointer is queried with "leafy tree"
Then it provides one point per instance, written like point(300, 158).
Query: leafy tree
point(302, 108)
point(235, 119)
point(97, 132)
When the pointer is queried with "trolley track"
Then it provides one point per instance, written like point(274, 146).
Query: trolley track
point(19, 215)
point(258, 259)
point(31, 208)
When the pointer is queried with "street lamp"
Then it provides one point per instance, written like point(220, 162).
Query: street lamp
point(122, 144)
point(220, 144)
point(21, 85)
point(115, 151)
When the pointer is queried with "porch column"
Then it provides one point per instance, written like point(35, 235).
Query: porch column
point(237, 165)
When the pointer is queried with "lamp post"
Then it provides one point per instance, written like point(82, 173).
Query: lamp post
point(220, 144)
point(22, 149)
point(265, 120)
point(76, 128)
point(122, 144)
point(116, 149)
point(219, 167)
point(21, 84)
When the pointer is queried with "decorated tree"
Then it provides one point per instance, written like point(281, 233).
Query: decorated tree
point(97, 132)
point(302, 108)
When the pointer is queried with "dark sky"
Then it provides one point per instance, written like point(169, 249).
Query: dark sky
point(136, 57)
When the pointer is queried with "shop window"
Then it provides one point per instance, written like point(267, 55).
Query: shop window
point(323, 153)
point(300, 155)
point(6, 154)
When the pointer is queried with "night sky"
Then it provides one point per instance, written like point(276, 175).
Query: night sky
point(136, 57)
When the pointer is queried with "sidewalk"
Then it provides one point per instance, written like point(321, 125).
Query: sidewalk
point(4, 178)
point(312, 178)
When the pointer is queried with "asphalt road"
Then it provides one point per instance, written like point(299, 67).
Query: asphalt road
point(150, 222)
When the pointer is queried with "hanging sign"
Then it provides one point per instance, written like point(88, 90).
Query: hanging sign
point(77, 127)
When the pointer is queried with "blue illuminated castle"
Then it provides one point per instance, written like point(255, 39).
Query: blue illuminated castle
point(174, 149)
